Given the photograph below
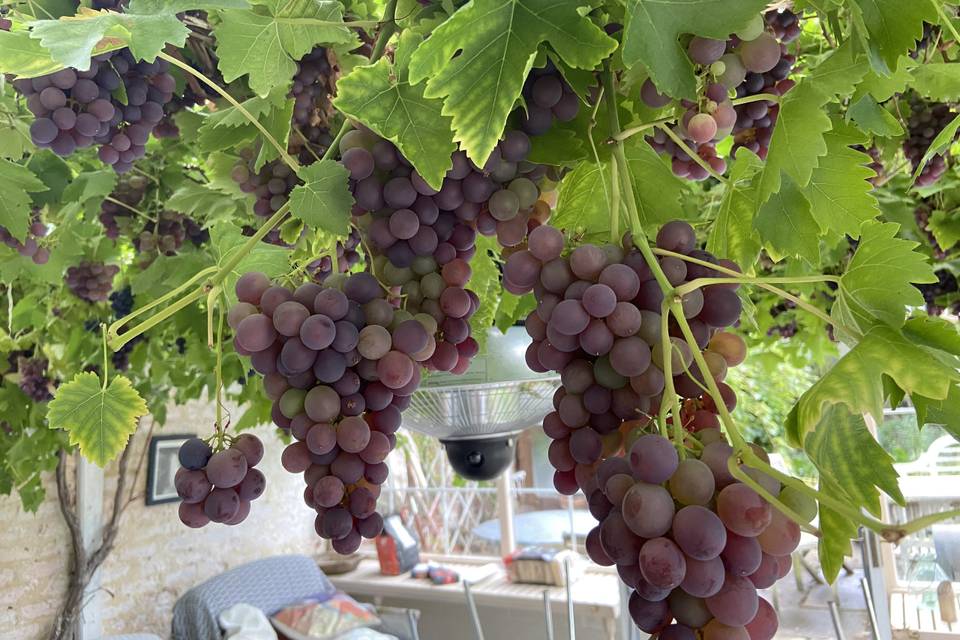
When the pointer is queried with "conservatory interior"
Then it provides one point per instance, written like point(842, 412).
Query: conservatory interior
point(479, 320)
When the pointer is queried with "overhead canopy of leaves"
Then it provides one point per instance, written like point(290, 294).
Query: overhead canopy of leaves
point(477, 61)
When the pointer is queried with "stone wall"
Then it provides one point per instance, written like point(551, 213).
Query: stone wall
point(156, 558)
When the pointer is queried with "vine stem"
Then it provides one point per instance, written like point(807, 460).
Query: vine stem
point(769, 97)
point(219, 374)
point(211, 306)
point(806, 306)
point(944, 18)
point(120, 203)
point(706, 282)
point(287, 158)
point(693, 154)
point(629, 132)
point(106, 359)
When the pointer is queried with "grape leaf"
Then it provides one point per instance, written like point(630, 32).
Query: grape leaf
point(836, 533)
point(797, 142)
point(583, 206)
point(877, 283)
point(653, 27)
point(477, 60)
point(882, 87)
point(53, 172)
point(98, 419)
point(933, 332)
point(179, 6)
point(229, 127)
point(323, 201)
point(16, 183)
point(945, 227)
point(206, 204)
point(732, 234)
point(72, 40)
point(856, 380)
point(944, 413)
point(266, 46)
point(840, 197)
point(485, 282)
point(786, 225)
point(559, 146)
point(226, 240)
point(839, 72)
point(937, 80)
point(843, 448)
point(656, 189)
point(894, 26)
point(870, 117)
point(939, 144)
point(23, 56)
point(381, 96)
point(90, 184)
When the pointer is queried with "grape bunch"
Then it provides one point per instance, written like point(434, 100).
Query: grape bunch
point(598, 324)
point(219, 486)
point(927, 120)
point(30, 247)
point(548, 97)
point(312, 107)
point(752, 61)
point(76, 109)
point(936, 294)
point(347, 257)
point(91, 281)
point(130, 191)
point(692, 542)
point(121, 302)
point(167, 234)
point(340, 362)
point(271, 185)
point(921, 215)
point(33, 378)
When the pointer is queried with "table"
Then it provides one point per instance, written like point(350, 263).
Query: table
point(548, 527)
point(596, 595)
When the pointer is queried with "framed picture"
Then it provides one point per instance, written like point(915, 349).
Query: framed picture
point(162, 465)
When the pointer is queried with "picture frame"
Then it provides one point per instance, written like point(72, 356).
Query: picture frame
point(162, 465)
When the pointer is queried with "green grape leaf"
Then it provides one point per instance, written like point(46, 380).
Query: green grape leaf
point(23, 56)
point(206, 204)
point(381, 96)
point(89, 185)
point(229, 127)
point(937, 80)
point(485, 282)
point(478, 59)
point(654, 26)
point(265, 46)
point(98, 419)
point(840, 197)
point(323, 201)
point(894, 26)
point(583, 207)
point(656, 189)
point(945, 226)
point(844, 449)
point(53, 172)
point(933, 332)
point(72, 40)
point(870, 117)
point(839, 72)
point(945, 413)
point(797, 142)
point(513, 308)
point(939, 144)
point(878, 281)
point(17, 182)
point(179, 6)
point(856, 380)
point(227, 239)
point(836, 533)
point(732, 235)
point(882, 87)
point(786, 225)
point(559, 147)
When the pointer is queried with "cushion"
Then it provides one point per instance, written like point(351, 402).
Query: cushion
point(323, 617)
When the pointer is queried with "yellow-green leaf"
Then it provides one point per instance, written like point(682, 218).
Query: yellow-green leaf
point(98, 420)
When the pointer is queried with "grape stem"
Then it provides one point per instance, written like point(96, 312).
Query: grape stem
point(211, 306)
point(734, 468)
point(629, 132)
point(666, 347)
point(945, 19)
point(757, 97)
point(287, 158)
point(706, 282)
point(219, 372)
point(611, 193)
point(106, 360)
point(693, 154)
point(761, 282)
point(120, 203)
